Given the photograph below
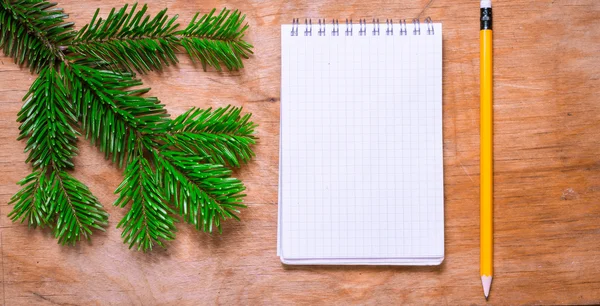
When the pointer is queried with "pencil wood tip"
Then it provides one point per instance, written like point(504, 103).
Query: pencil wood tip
point(486, 281)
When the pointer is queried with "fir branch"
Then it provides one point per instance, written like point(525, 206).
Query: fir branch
point(130, 124)
point(181, 161)
point(51, 196)
point(133, 40)
point(47, 119)
point(129, 39)
point(205, 194)
point(77, 210)
point(221, 136)
point(111, 114)
point(217, 39)
point(149, 220)
point(31, 202)
point(34, 32)
point(208, 196)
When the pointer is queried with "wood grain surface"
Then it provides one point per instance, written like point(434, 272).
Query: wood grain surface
point(547, 162)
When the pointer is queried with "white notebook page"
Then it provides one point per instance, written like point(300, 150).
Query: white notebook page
point(361, 169)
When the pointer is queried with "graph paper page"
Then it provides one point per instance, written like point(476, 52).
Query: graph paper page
point(361, 169)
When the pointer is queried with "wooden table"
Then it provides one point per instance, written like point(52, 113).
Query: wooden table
point(547, 159)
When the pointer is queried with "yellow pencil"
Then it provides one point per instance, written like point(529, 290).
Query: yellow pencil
point(486, 159)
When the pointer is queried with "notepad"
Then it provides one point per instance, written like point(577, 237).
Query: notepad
point(361, 161)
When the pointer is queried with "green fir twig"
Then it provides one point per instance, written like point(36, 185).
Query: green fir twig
point(133, 40)
point(172, 167)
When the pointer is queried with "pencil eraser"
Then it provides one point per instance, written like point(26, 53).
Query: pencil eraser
point(485, 3)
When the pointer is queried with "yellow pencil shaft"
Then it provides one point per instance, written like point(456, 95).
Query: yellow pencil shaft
point(486, 158)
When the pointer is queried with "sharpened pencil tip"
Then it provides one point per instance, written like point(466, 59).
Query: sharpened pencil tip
point(486, 281)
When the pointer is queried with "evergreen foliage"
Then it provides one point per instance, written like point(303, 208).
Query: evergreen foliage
point(133, 40)
point(173, 168)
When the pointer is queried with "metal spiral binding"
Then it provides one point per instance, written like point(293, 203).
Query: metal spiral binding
point(429, 26)
point(375, 27)
point(362, 29)
point(417, 27)
point(349, 28)
point(295, 23)
point(403, 30)
point(308, 29)
point(389, 24)
point(322, 27)
point(335, 24)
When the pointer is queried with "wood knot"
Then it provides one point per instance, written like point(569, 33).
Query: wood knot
point(569, 194)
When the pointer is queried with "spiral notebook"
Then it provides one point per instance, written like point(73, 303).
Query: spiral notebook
point(361, 169)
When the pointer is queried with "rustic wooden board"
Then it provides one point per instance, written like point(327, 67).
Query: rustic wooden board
point(547, 158)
